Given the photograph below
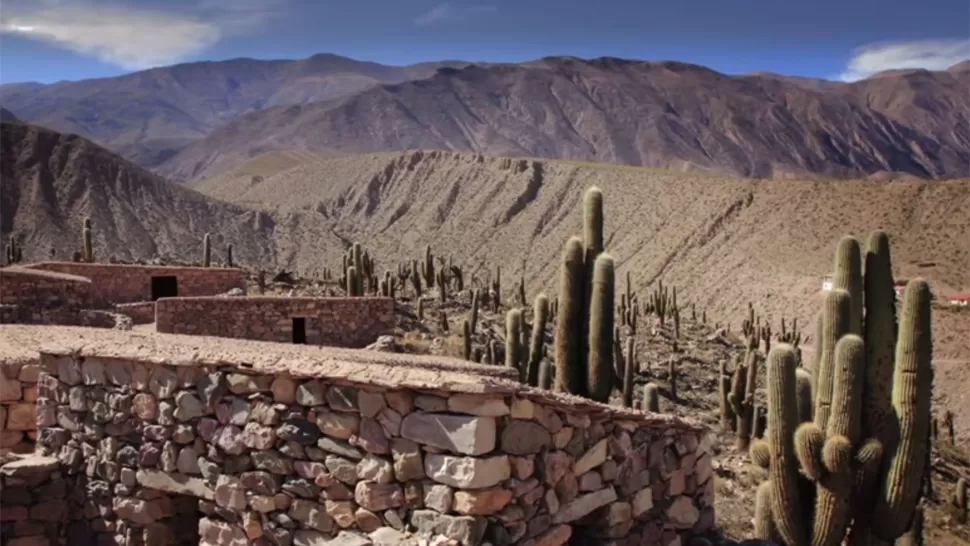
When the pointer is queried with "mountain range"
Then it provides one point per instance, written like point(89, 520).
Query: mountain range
point(723, 241)
point(193, 121)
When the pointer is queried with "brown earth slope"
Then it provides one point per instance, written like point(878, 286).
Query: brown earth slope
point(146, 116)
point(50, 182)
point(722, 241)
point(658, 114)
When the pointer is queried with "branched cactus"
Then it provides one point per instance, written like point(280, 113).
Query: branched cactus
point(585, 317)
point(858, 462)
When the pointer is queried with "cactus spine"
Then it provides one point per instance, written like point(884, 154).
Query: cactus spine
point(540, 314)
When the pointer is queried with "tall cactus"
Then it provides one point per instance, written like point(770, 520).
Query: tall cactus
point(599, 380)
point(513, 340)
point(87, 250)
point(540, 314)
point(206, 249)
point(864, 449)
point(570, 364)
point(584, 322)
point(229, 262)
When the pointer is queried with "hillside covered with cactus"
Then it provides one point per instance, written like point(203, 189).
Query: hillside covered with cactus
point(845, 440)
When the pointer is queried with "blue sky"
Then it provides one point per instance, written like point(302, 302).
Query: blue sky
point(51, 40)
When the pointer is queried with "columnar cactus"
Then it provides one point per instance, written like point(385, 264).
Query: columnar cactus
point(540, 314)
point(206, 247)
point(628, 372)
point(599, 380)
point(466, 333)
point(513, 329)
point(864, 449)
point(87, 250)
point(728, 418)
point(474, 318)
point(584, 325)
point(570, 365)
point(651, 398)
point(229, 262)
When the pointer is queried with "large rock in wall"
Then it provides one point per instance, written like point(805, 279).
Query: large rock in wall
point(294, 458)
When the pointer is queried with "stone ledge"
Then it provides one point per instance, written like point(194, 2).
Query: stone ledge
point(29, 466)
point(27, 271)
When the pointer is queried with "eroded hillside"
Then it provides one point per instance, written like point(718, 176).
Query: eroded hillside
point(722, 241)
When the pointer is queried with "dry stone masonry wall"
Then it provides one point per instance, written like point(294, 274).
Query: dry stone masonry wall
point(267, 457)
point(336, 322)
point(35, 502)
point(122, 283)
point(23, 287)
point(18, 406)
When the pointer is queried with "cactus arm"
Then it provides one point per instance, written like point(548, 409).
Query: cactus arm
point(786, 509)
point(600, 367)
point(835, 323)
point(570, 366)
point(912, 378)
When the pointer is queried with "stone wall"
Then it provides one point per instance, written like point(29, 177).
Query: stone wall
point(142, 312)
point(336, 322)
point(64, 316)
point(35, 495)
point(18, 409)
point(26, 288)
point(122, 283)
point(288, 445)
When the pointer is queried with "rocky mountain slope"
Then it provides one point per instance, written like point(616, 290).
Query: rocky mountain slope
point(658, 114)
point(146, 116)
point(722, 241)
point(50, 182)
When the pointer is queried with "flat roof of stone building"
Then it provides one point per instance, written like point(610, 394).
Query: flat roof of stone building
point(358, 366)
point(22, 270)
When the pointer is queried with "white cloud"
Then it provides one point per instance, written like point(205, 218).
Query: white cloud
point(130, 36)
point(446, 12)
point(927, 54)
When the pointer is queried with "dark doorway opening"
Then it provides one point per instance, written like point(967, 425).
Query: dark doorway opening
point(165, 287)
point(299, 330)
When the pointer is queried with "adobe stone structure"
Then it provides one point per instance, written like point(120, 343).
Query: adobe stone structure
point(148, 438)
point(336, 322)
